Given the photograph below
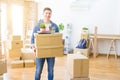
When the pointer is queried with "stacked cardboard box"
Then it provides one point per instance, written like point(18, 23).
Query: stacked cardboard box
point(16, 38)
point(29, 57)
point(15, 52)
point(77, 67)
point(17, 63)
point(0, 49)
point(22, 63)
point(16, 45)
point(3, 67)
point(49, 45)
point(27, 54)
point(29, 63)
point(1, 77)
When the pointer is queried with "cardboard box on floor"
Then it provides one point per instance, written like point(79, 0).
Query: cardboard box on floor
point(17, 64)
point(15, 53)
point(29, 63)
point(0, 52)
point(16, 38)
point(69, 77)
point(0, 55)
point(3, 66)
point(80, 79)
point(1, 77)
point(27, 54)
point(78, 65)
point(16, 44)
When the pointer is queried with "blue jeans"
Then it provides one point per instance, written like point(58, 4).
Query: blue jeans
point(39, 67)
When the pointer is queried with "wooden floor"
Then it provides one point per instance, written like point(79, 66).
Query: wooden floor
point(101, 68)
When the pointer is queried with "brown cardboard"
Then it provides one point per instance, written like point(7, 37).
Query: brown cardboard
point(17, 64)
point(29, 63)
point(80, 79)
point(78, 65)
point(16, 44)
point(28, 54)
point(0, 51)
point(50, 51)
point(48, 39)
point(85, 52)
point(49, 45)
point(1, 77)
point(16, 38)
point(69, 77)
point(0, 55)
point(15, 53)
point(3, 66)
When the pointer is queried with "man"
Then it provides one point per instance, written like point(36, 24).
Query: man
point(47, 12)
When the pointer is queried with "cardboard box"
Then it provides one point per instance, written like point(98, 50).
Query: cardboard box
point(69, 77)
point(3, 66)
point(29, 63)
point(0, 51)
point(17, 44)
point(0, 54)
point(48, 39)
point(85, 52)
point(16, 38)
point(1, 77)
point(51, 51)
point(28, 54)
point(79, 79)
point(17, 63)
point(78, 65)
point(15, 53)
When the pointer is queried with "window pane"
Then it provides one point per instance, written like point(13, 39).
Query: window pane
point(17, 20)
point(3, 26)
point(3, 22)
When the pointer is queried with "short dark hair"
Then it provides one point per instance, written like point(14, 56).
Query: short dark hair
point(47, 8)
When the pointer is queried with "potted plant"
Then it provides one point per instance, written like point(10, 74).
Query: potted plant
point(84, 30)
point(42, 26)
point(61, 27)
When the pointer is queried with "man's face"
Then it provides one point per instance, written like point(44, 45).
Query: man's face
point(47, 14)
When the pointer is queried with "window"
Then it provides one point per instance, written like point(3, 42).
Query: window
point(17, 20)
point(3, 26)
point(3, 22)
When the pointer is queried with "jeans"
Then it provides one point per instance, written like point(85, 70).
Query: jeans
point(39, 67)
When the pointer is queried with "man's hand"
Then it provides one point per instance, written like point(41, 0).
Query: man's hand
point(34, 49)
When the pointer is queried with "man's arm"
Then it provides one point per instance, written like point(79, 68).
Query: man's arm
point(35, 29)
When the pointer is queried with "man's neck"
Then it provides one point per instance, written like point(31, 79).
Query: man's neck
point(46, 21)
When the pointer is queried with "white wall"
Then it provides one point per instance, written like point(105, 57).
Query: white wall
point(105, 14)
